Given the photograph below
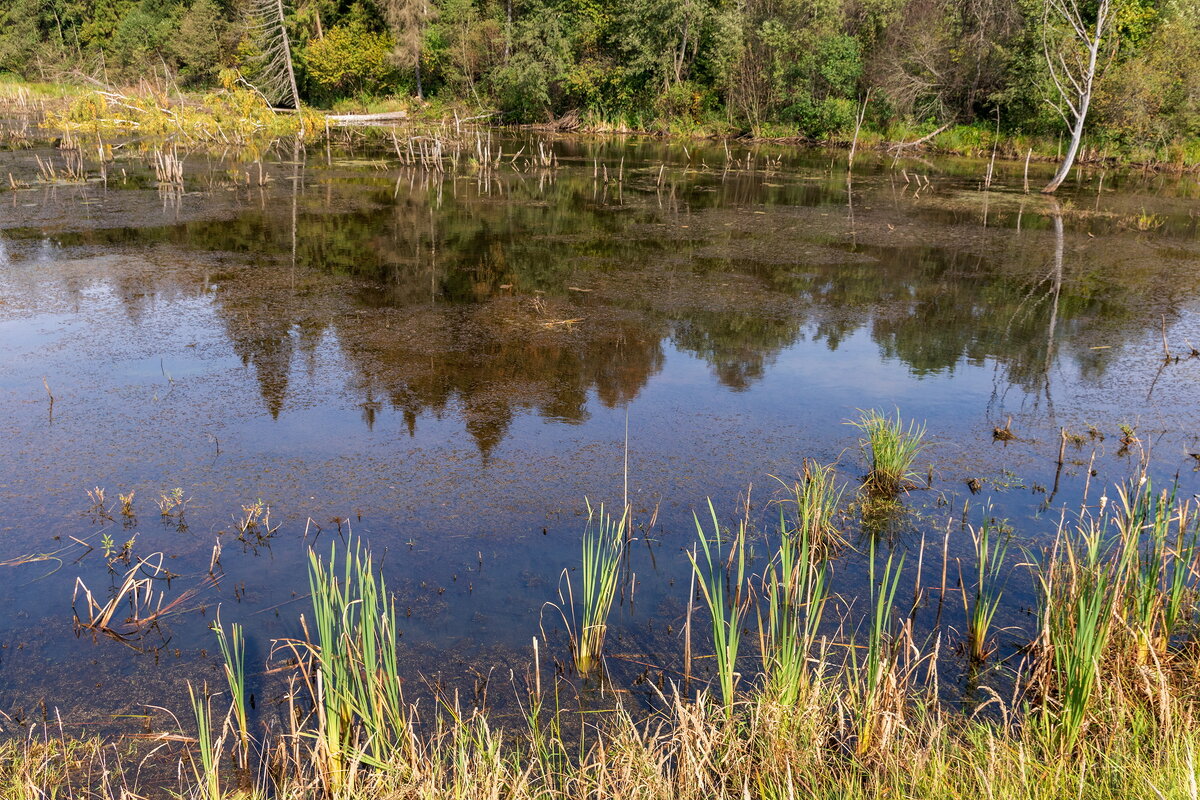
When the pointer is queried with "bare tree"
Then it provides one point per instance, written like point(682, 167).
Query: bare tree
point(277, 75)
point(1072, 59)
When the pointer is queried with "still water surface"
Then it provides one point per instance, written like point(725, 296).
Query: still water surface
point(447, 366)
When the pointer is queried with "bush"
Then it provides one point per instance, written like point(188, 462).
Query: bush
point(682, 100)
point(351, 59)
point(522, 89)
point(820, 118)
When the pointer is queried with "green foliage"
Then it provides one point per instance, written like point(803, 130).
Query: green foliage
point(351, 59)
point(892, 450)
point(144, 35)
point(522, 90)
point(201, 42)
point(780, 69)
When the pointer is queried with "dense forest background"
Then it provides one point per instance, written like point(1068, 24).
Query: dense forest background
point(773, 67)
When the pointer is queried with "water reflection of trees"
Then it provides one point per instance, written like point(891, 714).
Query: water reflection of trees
point(448, 299)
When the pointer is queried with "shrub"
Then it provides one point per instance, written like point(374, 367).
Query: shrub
point(521, 89)
point(351, 59)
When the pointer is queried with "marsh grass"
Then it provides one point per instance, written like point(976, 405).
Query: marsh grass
point(1089, 717)
point(1159, 535)
point(350, 669)
point(875, 677)
point(1114, 592)
point(206, 761)
point(817, 499)
point(600, 572)
point(723, 586)
point(990, 559)
point(891, 449)
point(795, 586)
point(1078, 602)
point(233, 651)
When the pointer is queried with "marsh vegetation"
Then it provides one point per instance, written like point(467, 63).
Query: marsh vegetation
point(305, 430)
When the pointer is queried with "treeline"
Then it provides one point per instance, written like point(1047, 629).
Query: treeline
point(774, 67)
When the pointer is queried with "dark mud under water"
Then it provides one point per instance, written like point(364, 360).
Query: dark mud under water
point(446, 365)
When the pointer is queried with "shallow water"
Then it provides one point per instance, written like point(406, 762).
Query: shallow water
point(448, 365)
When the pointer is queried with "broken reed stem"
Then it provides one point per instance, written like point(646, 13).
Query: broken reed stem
point(862, 113)
point(945, 559)
point(687, 630)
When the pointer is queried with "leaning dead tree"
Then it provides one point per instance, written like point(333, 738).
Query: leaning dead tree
point(1072, 46)
point(276, 74)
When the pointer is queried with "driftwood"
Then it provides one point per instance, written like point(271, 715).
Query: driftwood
point(896, 147)
point(367, 119)
point(566, 123)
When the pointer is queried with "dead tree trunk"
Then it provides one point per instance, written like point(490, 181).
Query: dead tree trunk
point(1072, 61)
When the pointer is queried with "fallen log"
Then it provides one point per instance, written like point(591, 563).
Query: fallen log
point(896, 147)
point(367, 119)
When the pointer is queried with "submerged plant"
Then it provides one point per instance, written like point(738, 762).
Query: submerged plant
point(892, 449)
point(256, 521)
point(98, 507)
point(126, 503)
point(171, 503)
point(727, 607)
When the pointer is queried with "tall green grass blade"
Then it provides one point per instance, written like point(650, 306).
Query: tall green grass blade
point(233, 651)
point(727, 609)
point(989, 557)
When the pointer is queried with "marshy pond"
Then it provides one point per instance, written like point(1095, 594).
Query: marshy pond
point(296, 347)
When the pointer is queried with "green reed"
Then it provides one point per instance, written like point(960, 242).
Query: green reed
point(603, 546)
point(207, 773)
point(1179, 575)
point(233, 651)
point(353, 674)
point(1080, 588)
point(989, 557)
point(1159, 580)
point(817, 497)
point(864, 729)
point(795, 586)
point(892, 450)
point(875, 679)
point(722, 580)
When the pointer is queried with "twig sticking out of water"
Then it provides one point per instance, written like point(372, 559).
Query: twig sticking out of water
point(168, 168)
point(136, 590)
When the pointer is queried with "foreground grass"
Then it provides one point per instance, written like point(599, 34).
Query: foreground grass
point(692, 750)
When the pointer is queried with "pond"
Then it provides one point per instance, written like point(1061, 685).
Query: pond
point(450, 364)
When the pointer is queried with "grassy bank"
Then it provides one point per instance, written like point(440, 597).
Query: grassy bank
point(237, 115)
point(784, 691)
